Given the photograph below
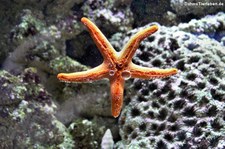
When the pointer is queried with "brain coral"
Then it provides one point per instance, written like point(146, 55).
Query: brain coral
point(184, 111)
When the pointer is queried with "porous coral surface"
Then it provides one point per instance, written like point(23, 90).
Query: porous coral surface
point(185, 110)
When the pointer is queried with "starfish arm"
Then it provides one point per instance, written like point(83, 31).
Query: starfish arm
point(116, 87)
point(100, 40)
point(150, 73)
point(129, 49)
point(93, 74)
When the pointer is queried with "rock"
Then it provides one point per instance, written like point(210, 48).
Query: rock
point(27, 114)
point(108, 17)
point(151, 11)
point(86, 134)
point(84, 100)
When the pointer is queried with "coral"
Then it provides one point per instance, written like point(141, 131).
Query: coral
point(27, 114)
point(186, 110)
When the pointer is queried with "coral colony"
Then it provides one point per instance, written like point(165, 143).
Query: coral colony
point(117, 66)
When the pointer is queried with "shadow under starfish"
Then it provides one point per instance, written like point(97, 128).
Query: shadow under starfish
point(117, 66)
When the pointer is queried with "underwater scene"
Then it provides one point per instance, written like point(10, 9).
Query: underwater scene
point(112, 74)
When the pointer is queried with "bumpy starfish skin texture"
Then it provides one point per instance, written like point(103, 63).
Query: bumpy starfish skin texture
point(117, 66)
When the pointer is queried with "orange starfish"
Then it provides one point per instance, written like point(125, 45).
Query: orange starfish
point(117, 66)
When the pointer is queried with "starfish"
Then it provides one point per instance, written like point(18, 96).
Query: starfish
point(116, 66)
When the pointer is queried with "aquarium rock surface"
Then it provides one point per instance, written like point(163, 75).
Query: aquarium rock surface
point(27, 114)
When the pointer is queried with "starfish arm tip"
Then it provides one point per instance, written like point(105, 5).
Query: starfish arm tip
point(115, 115)
point(62, 77)
point(152, 29)
point(117, 104)
point(116, 110)
point(174, 70)
point(155, 27)
point(84, 19)
point(59, 76)
point(117, 89)
point(151, 73)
